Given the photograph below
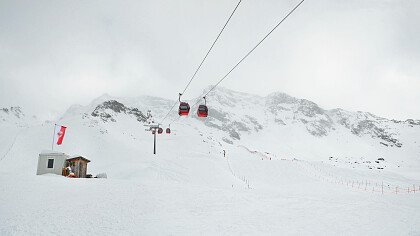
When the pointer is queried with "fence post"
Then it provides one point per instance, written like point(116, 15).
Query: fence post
point(382, 187)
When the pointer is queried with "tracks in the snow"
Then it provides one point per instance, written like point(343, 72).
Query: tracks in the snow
point(11, 146)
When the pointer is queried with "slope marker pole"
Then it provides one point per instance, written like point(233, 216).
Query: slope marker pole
point(382, 187)
point(52, 145)
point(154, 143)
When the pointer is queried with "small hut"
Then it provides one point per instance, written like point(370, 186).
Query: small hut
point(51, 162)
point(78, 165)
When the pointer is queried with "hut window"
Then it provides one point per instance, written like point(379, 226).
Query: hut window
point(50, 163)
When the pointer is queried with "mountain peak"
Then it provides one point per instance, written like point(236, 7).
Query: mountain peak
point(108, 109)
point(227, 91)
point(104, 97)
point(280, 97)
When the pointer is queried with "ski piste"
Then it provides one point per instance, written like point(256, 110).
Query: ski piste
point(255, 165)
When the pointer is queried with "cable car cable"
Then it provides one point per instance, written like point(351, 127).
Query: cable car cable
point(246, 55)
point(208, 52)
point(205, 57)
point(252, 50)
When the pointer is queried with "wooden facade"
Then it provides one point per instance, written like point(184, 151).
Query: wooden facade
point(78, 166)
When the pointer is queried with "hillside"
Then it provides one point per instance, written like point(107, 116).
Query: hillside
point(289, 166)
point(278, 124)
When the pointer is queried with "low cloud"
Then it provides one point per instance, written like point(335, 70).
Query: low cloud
point(358, 55)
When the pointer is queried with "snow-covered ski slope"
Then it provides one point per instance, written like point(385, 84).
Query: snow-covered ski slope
point(292, 177)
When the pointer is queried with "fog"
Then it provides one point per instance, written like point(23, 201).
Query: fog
point(356, 55)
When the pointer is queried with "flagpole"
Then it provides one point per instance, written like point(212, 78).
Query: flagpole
point(52, 145)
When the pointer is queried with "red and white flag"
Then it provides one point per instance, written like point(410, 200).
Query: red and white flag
point(59, 132)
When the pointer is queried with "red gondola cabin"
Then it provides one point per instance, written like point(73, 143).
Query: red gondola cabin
point(160, 130)
point(168, 130)
point(184, 109)
point(202, 111)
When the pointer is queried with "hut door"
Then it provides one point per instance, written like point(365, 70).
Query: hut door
point(79, 174)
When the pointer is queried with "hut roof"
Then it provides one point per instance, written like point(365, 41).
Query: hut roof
point(50, 152)
point(78, 157)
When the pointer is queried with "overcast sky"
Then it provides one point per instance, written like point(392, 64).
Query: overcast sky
point(353, 54)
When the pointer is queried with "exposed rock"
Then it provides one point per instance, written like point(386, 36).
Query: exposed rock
point(279, 121)
point(413, 122)
point(370, 127)
point(257, 126)
point(234, 134)
point(226, 140)
point(309, 109)
point(116, 107)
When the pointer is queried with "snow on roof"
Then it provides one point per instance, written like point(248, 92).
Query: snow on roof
point(52, 152)
point(56, 153)
point(78, 156)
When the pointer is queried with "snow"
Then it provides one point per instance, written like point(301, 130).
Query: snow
point(50, 152)
point(278, 180)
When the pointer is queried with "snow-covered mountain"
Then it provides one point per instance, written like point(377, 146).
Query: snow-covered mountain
point(16, 117)
point(7, 113)
point(258, 113)
point(277, 123)
point(289, 166)
point(240, 114)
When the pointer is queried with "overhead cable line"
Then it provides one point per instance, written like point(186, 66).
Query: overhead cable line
point(202, 61)
point(252, 50)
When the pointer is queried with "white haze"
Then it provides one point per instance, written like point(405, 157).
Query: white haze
point(357, 55)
